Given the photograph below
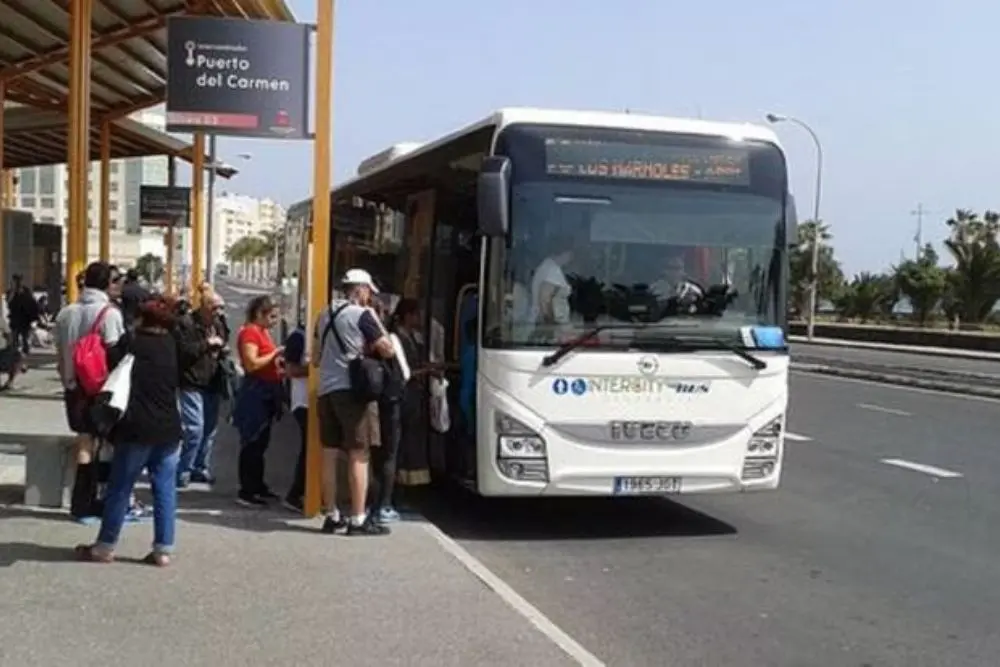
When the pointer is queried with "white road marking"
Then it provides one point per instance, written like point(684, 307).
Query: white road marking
point(933, 471)
point(888, 411)
point(570, 646)
point(795, 437)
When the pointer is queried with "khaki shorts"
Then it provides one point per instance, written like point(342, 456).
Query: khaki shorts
point(346, 424)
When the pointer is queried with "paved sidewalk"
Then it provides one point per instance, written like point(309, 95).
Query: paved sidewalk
point(247, 588)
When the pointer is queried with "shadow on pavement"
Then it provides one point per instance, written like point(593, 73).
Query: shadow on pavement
point(465, 516)
point(15, 552)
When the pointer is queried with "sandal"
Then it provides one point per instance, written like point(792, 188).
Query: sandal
point(91, 554)
point(156, 558)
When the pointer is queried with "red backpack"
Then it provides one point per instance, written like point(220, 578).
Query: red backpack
point(90, 358)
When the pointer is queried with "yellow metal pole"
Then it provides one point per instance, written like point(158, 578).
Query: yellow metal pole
point(319, 288)
point(78, 159)
point(168, 238)
point(168, 275)
point(105, 239)
point(197, 216)
point(4, 194)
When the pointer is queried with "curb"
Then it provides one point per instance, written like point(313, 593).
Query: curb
point(899, 380)
point(957, 353)
point(931, 375)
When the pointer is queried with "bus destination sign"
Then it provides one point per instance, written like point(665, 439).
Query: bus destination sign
point(645, 162)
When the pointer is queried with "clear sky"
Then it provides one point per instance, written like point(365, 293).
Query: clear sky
point(901, 93)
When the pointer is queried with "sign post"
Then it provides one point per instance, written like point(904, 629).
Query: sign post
point(251, 79)
point(237, 77)
point(166, 207)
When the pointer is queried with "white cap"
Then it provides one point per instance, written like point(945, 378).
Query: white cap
point(359, 277)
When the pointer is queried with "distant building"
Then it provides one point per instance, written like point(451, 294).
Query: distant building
point(240, 216)
point(44, 192)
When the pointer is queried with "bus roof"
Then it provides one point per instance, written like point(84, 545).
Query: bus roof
point(381, 168)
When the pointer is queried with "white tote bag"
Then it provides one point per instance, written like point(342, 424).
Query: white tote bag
point(440, 417)
point(404, 366)
point(118, 386)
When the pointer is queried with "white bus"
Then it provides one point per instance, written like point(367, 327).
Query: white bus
point(608, 291)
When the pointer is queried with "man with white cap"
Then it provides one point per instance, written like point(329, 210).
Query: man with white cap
point(348, 425)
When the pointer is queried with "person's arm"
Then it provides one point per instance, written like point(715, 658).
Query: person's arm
point(546, 294)
point(295, 356)
point(375, 336)
point(190, 344)
point(317, 349)
point(250, 355)
point(58, 343)
point(118, 351)
point(112, 327)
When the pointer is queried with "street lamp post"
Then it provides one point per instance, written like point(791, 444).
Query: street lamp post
point(814, 259)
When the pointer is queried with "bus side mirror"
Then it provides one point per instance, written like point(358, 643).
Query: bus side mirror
point(493, 196)
point(791, 223)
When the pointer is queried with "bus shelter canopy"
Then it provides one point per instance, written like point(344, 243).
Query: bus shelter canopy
point(128, 47)
point(35, 137)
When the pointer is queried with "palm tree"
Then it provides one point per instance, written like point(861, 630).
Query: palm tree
point(830, 276)
point(975, 280)
point(268, 249)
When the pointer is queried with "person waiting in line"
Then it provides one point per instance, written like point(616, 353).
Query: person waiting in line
point(297, 372)
point(259, 400)
point(133, 294)
point(413, 463)
point(146, 437)
point(347, 330)
point(200, 341)
point(384, 458)
point(92, 312)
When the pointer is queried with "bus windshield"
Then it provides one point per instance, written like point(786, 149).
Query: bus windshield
point(684, 232)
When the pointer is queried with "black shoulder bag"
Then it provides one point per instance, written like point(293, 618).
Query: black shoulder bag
point(367, 375)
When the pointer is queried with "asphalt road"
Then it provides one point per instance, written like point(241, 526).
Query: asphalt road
point(853, 356)
point(237, 296)
point(854, 561)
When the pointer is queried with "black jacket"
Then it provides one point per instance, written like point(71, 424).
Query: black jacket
point(151, 417)
point(198, 362)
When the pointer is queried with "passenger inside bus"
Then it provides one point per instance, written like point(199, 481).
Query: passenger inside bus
point(550, 290)
point(675, 281)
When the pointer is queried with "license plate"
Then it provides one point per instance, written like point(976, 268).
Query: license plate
point(634, 486)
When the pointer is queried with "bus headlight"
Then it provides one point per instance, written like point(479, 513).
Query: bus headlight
point(762, 450)
point(521, 452)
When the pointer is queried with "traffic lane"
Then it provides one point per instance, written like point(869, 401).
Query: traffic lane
point(840, 566)
point(953, 432)
point(237, 299)
point(770, 580)
point(853, 356)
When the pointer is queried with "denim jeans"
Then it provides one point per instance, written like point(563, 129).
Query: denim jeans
point(126, 466)
point(199, 424)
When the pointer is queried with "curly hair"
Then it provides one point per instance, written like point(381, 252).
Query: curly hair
point(158, 311)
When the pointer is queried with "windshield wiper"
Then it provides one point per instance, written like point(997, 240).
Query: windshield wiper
point(677, 342)
point(570, 345)
point(715, 344)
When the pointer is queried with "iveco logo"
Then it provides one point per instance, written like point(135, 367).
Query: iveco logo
point(649, 431)
point(648, 365)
